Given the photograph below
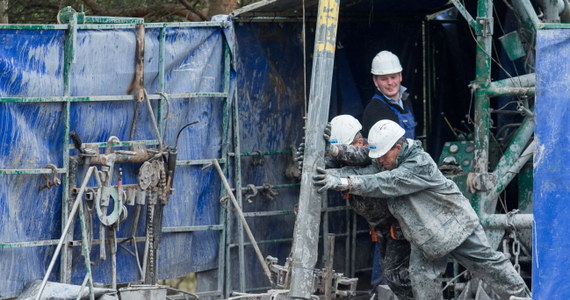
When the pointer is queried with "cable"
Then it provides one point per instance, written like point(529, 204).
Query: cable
point(180, 131)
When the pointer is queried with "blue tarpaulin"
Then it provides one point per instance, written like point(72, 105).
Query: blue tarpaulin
point(551, 182)
point(31, 136)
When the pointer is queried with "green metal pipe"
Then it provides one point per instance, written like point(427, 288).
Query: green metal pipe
point(174, 229)
point(68, 60)
point(482, 80)
point(502, 221)
point(197, 162)
point(30, 171)
point(224, 256)
point(511, 157)
point(508, 91)
point(463, 11)
point(526, 15)
point(110, 26)
point(107, 98)
point(256, 153)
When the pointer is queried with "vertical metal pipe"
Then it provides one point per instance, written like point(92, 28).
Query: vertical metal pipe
point(68, 60)
point(347, 253)
point(482, 80)
point(306, 233)
point(224, 253)
point(329, 264)
point(85, 249)
point(237, 175)
point(161, 67)
point(67, 225)
point(353, 246)
point(324, 209)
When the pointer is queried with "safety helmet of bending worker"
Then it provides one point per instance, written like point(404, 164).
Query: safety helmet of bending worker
point(344, 129)
point(385, 62)
point(383, 136)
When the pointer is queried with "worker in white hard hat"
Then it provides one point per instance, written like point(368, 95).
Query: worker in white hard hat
point(390, 101)
point(346, 147)
point(435, 216)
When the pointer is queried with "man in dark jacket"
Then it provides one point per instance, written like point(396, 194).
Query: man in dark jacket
point(391, 101)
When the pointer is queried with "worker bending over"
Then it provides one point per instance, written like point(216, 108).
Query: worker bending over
point(434, 215)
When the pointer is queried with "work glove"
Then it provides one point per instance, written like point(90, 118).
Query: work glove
point(330, 148)
point(299, 156)
point(325, 181)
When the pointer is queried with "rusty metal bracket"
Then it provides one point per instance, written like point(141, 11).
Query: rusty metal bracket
point(257, 159)
point(269, 192)
point(54, 181)
point(481, 182)
point(253, 193)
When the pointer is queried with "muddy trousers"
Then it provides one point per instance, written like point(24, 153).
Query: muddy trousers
point(475, 255)
point(395, 260)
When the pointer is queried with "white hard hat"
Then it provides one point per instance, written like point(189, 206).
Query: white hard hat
point(385, 62)
point(382, 137)
point(343, 129)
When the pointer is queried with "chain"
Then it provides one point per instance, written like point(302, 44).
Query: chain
point(150, 236)
point(516, 247)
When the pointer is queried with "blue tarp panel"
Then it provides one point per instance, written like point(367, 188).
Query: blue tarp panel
point(551, 180)
point(31, 136)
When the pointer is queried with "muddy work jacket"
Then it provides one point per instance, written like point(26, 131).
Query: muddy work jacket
point(374, 210)
point(432, 212)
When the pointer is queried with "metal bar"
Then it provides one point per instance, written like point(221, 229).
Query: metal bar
point(482, 112)
point(511, 163)
point(85, 250)
point(526, 80)
point(197, 162)
point(254, 153)
point(113, 20)
point(463, 11)
point(325, 224)
point(244, 222)
point(543, 26)
point(526, 15)
point(108, 98)
point(277, 186)
point(238, 182)
point(508, 91)
point(268, 213)
point(503, 221)
point(120, 144)
point(66, 227)
point(68, 60)
point(272, 241)
point(328, 258)
point(30, 171)
point(110, 26)
point(353, 240)
point(54, 242)
point(175, 229)
point(224, 256)
point(305, 244)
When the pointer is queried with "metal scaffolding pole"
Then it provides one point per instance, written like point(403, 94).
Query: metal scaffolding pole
point(304, 250)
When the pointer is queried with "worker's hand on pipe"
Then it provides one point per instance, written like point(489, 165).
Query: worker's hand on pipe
point(330, 148)
point(325, 181)
point(299, 155)
point(327, 132)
